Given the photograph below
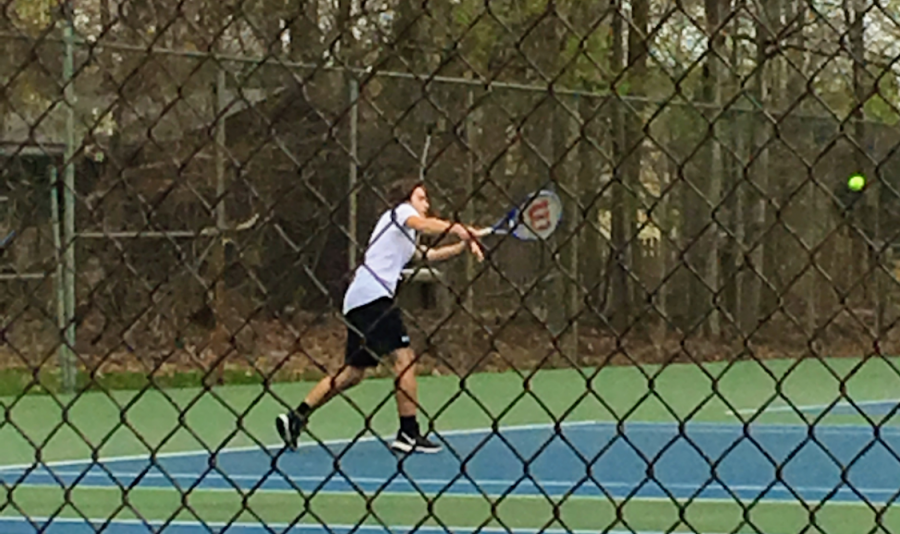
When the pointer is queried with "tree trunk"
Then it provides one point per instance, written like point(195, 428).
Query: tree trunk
point(757, 171)
point(638, 44)
point(303, 21)
point(105, 14)
point(816, 220)
point(733, 172)
point(775, 261)
point(869, 217)
point(622, 214)
point(473, 123)
point(564, 292)
point(594, 243)
point(345, 28)
point(219, 344)
point(715, 170)
point(113, 205)
point(588, 181)
point(11, 49)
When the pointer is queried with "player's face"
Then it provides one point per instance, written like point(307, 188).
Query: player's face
point(419, 200)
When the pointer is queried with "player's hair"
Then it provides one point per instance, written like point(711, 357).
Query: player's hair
point(401, 190)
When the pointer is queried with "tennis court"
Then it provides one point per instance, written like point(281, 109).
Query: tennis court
point(648, 474)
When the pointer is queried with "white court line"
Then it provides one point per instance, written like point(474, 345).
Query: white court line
point(809, 407)
point(640, 426)
point(303, 445)
point(713, 486)
point(321, 528)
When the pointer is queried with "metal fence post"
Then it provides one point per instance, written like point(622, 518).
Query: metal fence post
point(69, 197)
point(353, 176)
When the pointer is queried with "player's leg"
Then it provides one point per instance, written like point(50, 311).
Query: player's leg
point(328, 388)
point(291, 424)
point(407, 389)
point(357, 359)
point(409, 437)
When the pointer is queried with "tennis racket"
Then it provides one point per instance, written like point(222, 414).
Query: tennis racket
point(536, 218)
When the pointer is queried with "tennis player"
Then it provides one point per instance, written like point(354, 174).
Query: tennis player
point(375, 326)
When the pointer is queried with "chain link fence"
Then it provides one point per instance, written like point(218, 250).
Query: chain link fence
point(706, 344)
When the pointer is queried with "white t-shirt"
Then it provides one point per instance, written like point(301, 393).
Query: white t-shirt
point(391, 246)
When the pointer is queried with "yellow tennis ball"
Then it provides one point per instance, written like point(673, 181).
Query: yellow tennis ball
point(856, 182)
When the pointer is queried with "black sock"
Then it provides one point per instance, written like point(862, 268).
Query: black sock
point(304, 409)
point(409, 426)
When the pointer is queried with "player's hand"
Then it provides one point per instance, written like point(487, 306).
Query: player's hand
point(476, 233)
point(466, 232)
point(476, 249)
point(462, 231)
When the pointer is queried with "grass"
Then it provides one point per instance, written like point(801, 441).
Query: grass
point(16, 382)
point(597, 514)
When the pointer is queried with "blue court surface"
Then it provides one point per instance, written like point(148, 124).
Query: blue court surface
point(599, 460)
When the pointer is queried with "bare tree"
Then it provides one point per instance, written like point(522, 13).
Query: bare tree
point(639, 42)
point(715, 171)
point(622, 205)
point(757, 172)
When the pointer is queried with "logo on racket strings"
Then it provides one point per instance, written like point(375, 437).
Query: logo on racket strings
point(539, 214)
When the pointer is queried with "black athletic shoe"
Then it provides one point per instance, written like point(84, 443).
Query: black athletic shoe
point(289, 426)
point(406, 444)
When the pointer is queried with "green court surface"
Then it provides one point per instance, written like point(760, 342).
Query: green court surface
point(238, 420)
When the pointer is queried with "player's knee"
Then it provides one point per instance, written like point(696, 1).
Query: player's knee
point(406, 360)
point(354, 375)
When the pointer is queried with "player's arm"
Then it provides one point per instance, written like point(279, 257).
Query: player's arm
point(434, 226)
point(446, 252)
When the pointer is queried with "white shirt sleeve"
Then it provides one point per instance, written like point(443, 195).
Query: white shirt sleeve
point(403, 212)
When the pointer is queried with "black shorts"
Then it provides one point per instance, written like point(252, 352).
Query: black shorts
point(375, 330)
